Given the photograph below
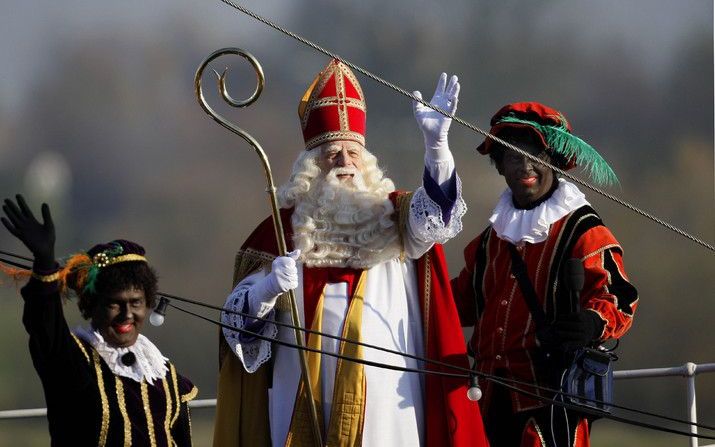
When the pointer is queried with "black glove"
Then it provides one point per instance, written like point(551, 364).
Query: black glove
point(572, 331)
point(38, 237)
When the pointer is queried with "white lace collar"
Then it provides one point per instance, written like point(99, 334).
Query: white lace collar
point(518, 226)
point(150, 363)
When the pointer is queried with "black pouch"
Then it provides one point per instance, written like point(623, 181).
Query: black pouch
point(589, 378)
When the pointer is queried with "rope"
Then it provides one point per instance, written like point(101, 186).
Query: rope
point(468, 125)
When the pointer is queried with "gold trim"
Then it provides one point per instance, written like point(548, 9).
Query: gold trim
point(331, 101)
point(188, 417)
point(567, 238)
point(602, 249)
point(119, 387)
point(347, 72)
point(46, 278)
point(403, 215)
point(342, 107)
point(81, 346)
point(335, 135)
point(102, 259)
point(167, 415)
point(299, 431)
point(303, 105)
point(248, 261)
point(126, 258)
point(177, 397)
point(339, 71)
point(538, 431)
point(147, 413)
point(428, 288)
point(317, 88)
point(348, 400)
point(191, 395)
point(104, 428)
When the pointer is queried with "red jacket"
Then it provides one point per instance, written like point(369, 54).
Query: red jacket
point(489, 298)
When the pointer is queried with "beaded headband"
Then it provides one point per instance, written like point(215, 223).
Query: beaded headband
point(88, 269)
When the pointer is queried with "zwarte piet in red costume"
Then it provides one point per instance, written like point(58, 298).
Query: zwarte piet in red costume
point(545, 221)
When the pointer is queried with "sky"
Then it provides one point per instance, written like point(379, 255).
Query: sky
point(29, 29)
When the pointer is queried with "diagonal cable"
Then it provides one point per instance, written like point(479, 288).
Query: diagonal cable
point(470, 126)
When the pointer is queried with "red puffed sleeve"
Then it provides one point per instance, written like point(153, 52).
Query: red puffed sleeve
point(607, 290)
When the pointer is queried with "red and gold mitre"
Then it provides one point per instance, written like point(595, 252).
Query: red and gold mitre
point(333, 107)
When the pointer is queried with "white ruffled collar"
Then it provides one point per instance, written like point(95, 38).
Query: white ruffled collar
point(518, 226)
point(150, 363)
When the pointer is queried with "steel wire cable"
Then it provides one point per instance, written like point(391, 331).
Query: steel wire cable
point(499, 381)
point(15, 264)
point(468, 125)
point(14, 255)
point(437, 362)
point(467, 371)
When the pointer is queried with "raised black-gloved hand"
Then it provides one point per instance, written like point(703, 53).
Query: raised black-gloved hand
point(572, 331)
point(38, 237)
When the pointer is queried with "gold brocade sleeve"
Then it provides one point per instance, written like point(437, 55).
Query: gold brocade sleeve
point(242, 398)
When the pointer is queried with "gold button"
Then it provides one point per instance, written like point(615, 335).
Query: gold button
point(498, 357)
point(500, 330)
point(504, 302)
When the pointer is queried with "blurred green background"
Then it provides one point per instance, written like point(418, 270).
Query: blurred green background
point(98, 118)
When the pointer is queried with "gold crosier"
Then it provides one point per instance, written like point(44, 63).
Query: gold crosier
point(271, 189)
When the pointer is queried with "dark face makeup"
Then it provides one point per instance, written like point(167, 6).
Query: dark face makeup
point(120, 316)
point(528, 180)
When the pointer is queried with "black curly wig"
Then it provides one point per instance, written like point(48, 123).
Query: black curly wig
point(117, 277)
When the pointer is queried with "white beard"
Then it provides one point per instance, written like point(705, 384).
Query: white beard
point(345, 223)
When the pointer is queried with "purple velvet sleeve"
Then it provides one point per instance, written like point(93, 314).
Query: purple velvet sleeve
point(446, 200)
point(252, 325)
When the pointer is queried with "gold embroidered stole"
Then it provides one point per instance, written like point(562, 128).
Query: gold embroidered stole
point(347, 414)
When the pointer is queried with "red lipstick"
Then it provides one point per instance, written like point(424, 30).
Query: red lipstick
point(123, 328)
point(528, 181)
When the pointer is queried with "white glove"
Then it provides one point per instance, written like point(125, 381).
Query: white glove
point(434, 125)
point(283, 277)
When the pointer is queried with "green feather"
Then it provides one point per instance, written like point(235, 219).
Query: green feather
point(93, 271)
point(92, 274)
point(561, 141)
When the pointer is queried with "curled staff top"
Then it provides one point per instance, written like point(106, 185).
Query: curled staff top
point(221, 79)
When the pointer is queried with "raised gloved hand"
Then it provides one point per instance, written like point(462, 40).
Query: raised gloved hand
point(38, 237)
point(573, 331)
point(434, 125)
point(282, 278)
